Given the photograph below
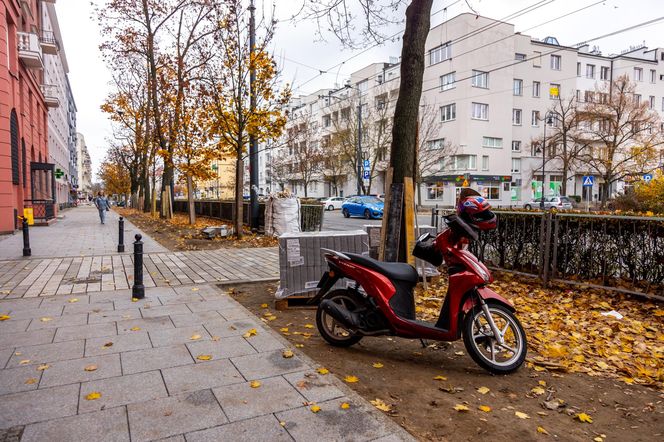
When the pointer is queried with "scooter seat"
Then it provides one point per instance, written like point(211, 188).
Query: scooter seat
point(394, 270)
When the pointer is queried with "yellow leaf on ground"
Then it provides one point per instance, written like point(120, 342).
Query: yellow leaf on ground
point(43, 367)
point(45, 319)
point(541, 430)
point(271, 318)
point(92, 396)
point(315, 408)
point(107, 345)
point(377, 365)
point(521, 415)
point(483, 390)
point(204, 357)
point(136, 299)
point(284, 329)
point(382, 406)
point(579, 358)
point(583, 417)
point(264, 305)
point(542, 383)
point(135, 328)
point(344, 406)
point(254, 384)
point(299, 345)
point(287, 354)
point(601, 364)
point(538, 391)
point(439, 378)
point(31, 381)
point(195, 337)
point(484, 408)
point(90, 368)
point(461, 407)
point(24, 361)
point(72, 300)
point(4, 317)
point(351, 379)
point(323, 371)
point(308, 326)
point(250, 333)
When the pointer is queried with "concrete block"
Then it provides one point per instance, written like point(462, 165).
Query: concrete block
point(223, 328)
point(164, 310)
point(259, 429)
point(14, 326)
point(58, 321)
point(22, 339)
point(113, 315)
point(313, 386)
point(108, 425)
point(219, 304)
point(263, 342)
point(84, 332)
point(145, 324)
point(37, 313)
point(73, 370)
point(122, 343)
point(195, 318)
point(88, 308)
point(53, 403)
point(123, 390)
point(13, 380)
point(155, 358)
point(221, 349)
point(263, 365)
point(174, 336)
point(63, 301)
point(201, 376)
point(39, 354)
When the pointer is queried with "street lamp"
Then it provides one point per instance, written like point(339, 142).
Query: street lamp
point(549, 120)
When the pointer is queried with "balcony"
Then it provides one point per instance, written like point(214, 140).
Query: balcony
point(49, 45)
point(29, 50)
point(50, 92)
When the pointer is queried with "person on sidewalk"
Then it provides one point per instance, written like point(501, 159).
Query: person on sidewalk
point(103, 206)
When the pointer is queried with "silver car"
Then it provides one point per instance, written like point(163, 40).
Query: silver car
point(550, 202)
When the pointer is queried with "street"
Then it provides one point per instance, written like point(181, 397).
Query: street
point(334, 220)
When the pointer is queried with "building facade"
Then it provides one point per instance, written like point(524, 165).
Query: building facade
point(83, 167)
point(26, 176)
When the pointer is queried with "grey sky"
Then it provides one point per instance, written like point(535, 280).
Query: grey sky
point(295, 45)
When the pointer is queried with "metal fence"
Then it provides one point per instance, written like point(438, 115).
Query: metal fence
point(622, 253)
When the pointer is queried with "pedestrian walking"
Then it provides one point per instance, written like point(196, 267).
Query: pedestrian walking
point(103, 206)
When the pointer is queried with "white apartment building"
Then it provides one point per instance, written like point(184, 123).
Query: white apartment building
point(492, 89)
point(84, 167)
point(61, 107)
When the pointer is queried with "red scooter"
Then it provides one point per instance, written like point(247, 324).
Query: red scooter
point(379, 301)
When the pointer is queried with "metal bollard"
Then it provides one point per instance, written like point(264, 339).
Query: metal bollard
point(26, 238)
point(121, 247)
point(138, 289)
point(433, 216)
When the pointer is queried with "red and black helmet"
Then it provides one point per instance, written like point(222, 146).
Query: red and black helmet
point(476, 211)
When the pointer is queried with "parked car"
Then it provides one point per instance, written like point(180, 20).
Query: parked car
point(550, 202)
point(333, 202)
point(367, 206)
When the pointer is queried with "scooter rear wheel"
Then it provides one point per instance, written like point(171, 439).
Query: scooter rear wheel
point(329, 328)
point(483, 346)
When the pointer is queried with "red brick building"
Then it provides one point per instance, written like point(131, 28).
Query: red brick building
point(26, 177)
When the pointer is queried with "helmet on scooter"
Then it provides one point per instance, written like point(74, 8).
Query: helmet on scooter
point(476, 211)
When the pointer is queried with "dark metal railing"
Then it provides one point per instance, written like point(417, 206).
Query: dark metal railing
point(42, 210)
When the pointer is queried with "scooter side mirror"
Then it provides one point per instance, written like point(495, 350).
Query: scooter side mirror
point(423, 237)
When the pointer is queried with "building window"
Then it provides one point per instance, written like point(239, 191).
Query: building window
point(663, 104)
point(326, 120)
point(494, 143)
point(653, 75)
point(651, 102)
point(435, 144)
point(516, 117)
point(518, 87)
point(637, 99)
point(464, 162)
point(434, 192)
point(480, 79)
point(490, 190)
point(537, 59)
point(555, 62)
point(485, 162)
point(578, 69)
point(441, 53)
point(638, 74)
point(534, 118)
point(554, 90)
point(447, 81)
point(363, 86)
point(516, 165)
point(23, 164)
point(588, 96)
point(604, 73)
point(536, 89)
point(516, 146)
point(480, 111)
point(448, 112)
point(590, 71)
point(13, 129)
point(519, 56)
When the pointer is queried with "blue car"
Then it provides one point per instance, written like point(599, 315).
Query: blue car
point(367, 206)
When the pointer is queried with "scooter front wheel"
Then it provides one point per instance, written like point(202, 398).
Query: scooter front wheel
point(485, 348)
point(329, 328)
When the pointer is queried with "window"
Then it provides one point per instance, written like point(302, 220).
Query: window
point(519, 56)
point(480, 79)
point(13, 126)
point(588, 96)
point(554, 90)
point(651, 101)
point(638, 74)
point(590, 71)
point(326, 120)
point(534, 118)
point(434, 192)
point(490, 190)
point(536, 89)
point(578, 69)
point(441, 53)
point(516, 165)
point(653, 75)
point(480, 111)
point(537, 59)
point(662, 103)
point(381, 101)
point(637, 99)
point(464, 162)
point(578, 95)
point(604, 73)
point(516, 117)
point(485, 162)
point(516, 146)
point(363, 86)
point(518, 87)
point(435, 144)
point(494, 143)
point(447, 81)
point(448, 112)
point(555, 62)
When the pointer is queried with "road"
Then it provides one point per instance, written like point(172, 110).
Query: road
point(334, 220)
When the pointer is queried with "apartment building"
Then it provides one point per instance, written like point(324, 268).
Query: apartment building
point(26, 176)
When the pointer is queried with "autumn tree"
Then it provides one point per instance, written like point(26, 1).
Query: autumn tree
point(335, 166)
point(114, 177)
point(619, 133)
point(227, 84)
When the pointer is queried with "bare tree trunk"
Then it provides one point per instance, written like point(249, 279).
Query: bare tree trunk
point(190, 200)
point(239, 197)
point(404, 130)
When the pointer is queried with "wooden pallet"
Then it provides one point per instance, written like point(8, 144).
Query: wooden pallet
point(294, 302)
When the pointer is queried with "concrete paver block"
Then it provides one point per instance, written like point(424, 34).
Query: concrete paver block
point(259, 429)
point(39, 354)
point(14, 380)
point(113, 315)
point(123, 390)
point(17, 325)
point(204, 306)
point(58, 321)
point(38, 405)
point(122, 343)
point(223, 328)
point(108, 425)
point(263, 365)
point(180, 299)
point(313, 386)
point(73, 371)
point(51, 312)
point(84, 332)
point(201, 376)
point(64, 301)
point(71, 309)
point(263, 342)
point(221, 349)
point(236, 314)
point(22, 339)
point(165, 310)
point(155, 358)
point(145, 324)
point(195, 318)
point(174, 336)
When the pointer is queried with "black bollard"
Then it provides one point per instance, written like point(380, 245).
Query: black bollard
point(121, 247)
point(138, 289)
point(26, 238)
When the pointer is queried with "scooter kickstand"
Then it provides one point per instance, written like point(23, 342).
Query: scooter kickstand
point(424, 343)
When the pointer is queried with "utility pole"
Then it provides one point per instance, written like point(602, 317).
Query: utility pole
point(359, 146)
point(253, 146)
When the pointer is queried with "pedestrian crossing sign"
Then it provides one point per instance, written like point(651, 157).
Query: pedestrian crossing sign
point(588, 181)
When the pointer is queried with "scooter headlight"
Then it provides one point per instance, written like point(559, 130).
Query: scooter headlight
point(481, 271)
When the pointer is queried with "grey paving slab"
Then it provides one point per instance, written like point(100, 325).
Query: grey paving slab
point(122, 343)
point(72, 309)
point(313, 386)
point(222, 348)
point(39, 354)
point(145, 324)
point(165, 310)
point(180, 299)
point(85, 331)
point(11, 340)
point(263, 342)
point(4, 356)
point(182, 335)
point(108, 426)
point(15, 325)
point(218, 304)
point(19, 379)
point(332, 423)
point(32, 313)
point(74, 370)
point(58, 321)
point(236, 314)
point(241, 401)
point(38, 405)
point(155, 358)
point(223, 328)
point(263, 365)
point(64, 301)
point(259, 429)
point(175, 415)
point(110, 296)
point(123, 390)
point(114, 315)
point(201, 376)
point(9, 305)
point(190, 319)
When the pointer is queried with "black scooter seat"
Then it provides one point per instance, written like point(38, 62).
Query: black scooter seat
point(394, 270)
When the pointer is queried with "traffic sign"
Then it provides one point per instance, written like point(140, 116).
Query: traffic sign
point(647, 177)
point(366, 175)
point(366, 164)
point(588, 180)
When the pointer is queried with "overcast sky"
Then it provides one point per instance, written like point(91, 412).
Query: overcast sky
point(301, 57)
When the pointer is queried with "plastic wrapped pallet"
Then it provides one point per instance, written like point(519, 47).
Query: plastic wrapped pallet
point(301, 261)
point(282, 214)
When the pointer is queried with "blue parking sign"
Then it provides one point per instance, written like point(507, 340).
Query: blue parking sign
point(647, 177)
point(366, 175)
